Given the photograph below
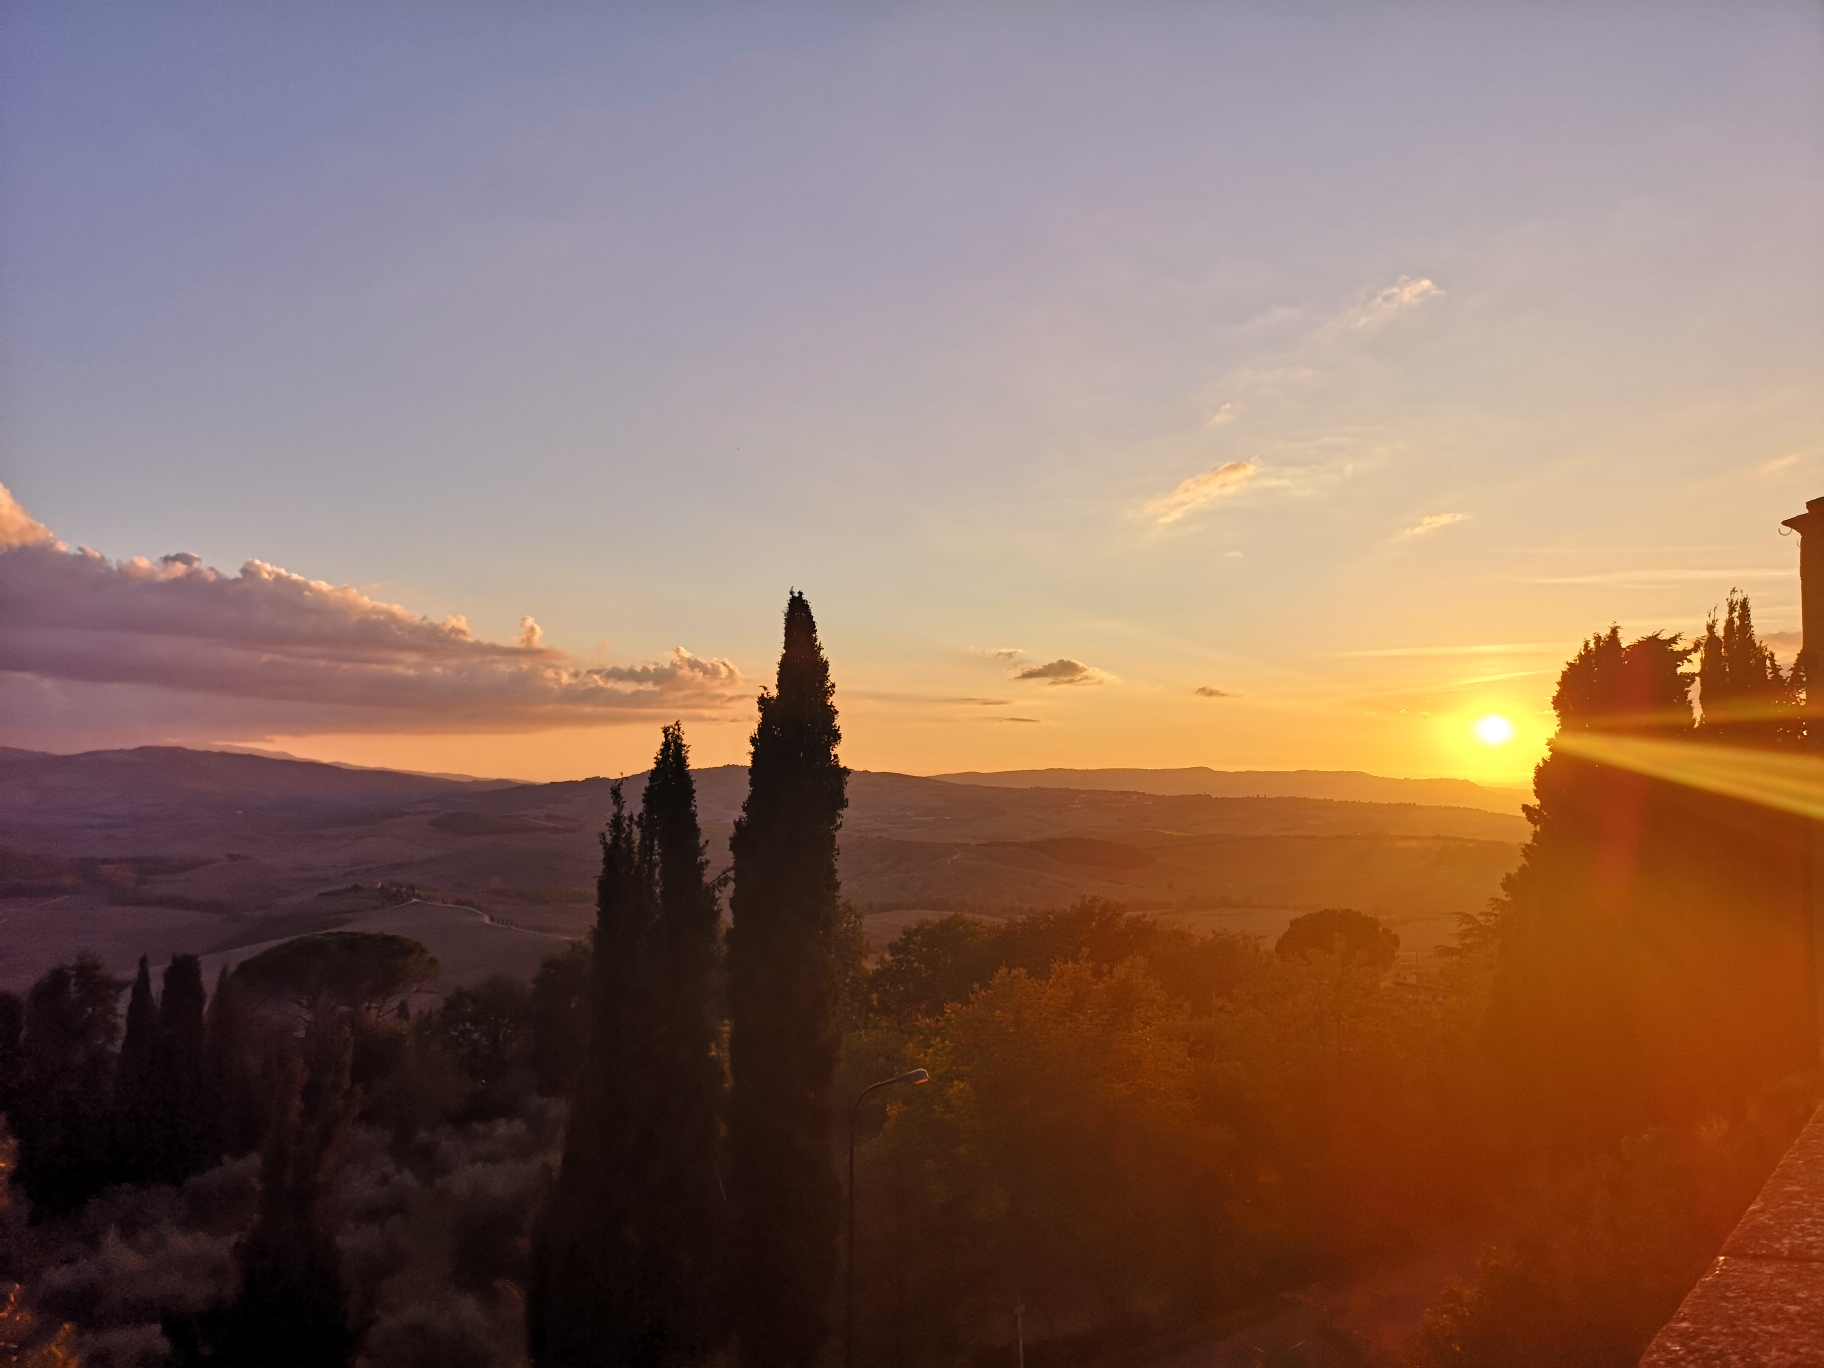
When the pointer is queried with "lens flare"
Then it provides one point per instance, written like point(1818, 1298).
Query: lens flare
point(1784, 780)
point(1495, 730)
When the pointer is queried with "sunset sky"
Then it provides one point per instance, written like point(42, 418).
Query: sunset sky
point(1254, 386)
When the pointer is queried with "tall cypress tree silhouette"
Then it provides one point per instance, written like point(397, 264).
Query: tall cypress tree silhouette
point(234, 1110)
point(584, 1304)
point(179, 1103)
point(628, 1263)
point(682, 1181)
point(135, 1093)
point(781, 993)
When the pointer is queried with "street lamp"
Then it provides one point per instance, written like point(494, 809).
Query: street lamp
point(848, 1327)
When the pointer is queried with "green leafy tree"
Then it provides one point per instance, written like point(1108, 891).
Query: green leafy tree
point(782, 994)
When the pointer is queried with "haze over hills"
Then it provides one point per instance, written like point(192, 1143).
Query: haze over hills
point(163, 848)
point(1347, 785)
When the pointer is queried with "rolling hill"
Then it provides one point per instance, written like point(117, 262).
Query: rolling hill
point(161, 849)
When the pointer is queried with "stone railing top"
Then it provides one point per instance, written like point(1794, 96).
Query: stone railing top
point(1762, 1302)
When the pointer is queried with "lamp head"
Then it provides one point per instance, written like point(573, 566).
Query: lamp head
point(916, 1076)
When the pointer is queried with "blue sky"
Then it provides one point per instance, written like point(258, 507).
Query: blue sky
point(1507, 322)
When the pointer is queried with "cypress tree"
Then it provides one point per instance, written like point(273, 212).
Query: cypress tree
point(584, 1304)
point(781, 993)
point(1746, 699)
point(629, 1251)
point(136, 1093)
point(234, 1115)
point(183, 1123)
point(682, 1181)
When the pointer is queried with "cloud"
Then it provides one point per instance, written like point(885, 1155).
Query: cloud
point(1206, 691)
point(1784, 644)
point(1431, 522)
point(1065, 671)
point(1225, 414)
point(1772, 467)
point(1491, 648)
point(19, 528)
point(295, 654)
point(1224, 482)
point(1404, 295)
point(1652, 579)
point(999, 652)
point(1010, 719)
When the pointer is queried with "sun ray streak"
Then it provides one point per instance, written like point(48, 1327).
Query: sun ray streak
point(1781, 780)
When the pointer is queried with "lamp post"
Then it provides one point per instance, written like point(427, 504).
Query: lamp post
point(848, 1319)
point(1810, 527)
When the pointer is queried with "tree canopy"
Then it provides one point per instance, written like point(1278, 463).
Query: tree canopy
point(352, 970)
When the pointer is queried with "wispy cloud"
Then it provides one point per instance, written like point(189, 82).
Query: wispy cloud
point(998, 652)
point(1492, 648)
point(1780, 463)
point(1207, 691)
point(1431, 522)
point(1223, 415)
point(1404, 295)
point(1065, 671)
point(1648, 579)
point(1224, 482)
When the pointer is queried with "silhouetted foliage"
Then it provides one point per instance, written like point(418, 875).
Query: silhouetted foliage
point(681, 1170)
point(350, 970)
point(582, 1305)
point(1652, 942)
point(180, 1117)
point(943, 960)
point(487, 1029)
point(628, 1265)
point(560, 1017)
point(235, 1115)
point(782, 992)
point(289, 1312)
point(135, 1092)
point(1746, 700)
point(1357, 937)
point(63, 1113)
point(12, 1056)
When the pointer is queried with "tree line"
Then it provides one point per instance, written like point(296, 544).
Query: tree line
point(1132, 1129)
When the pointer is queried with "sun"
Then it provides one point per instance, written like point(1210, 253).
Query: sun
point(1495, 730)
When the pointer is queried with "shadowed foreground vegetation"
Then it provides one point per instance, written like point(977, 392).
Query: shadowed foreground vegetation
point(1140, 1133)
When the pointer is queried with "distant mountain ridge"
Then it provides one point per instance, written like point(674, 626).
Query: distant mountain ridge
point(1353, 786)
